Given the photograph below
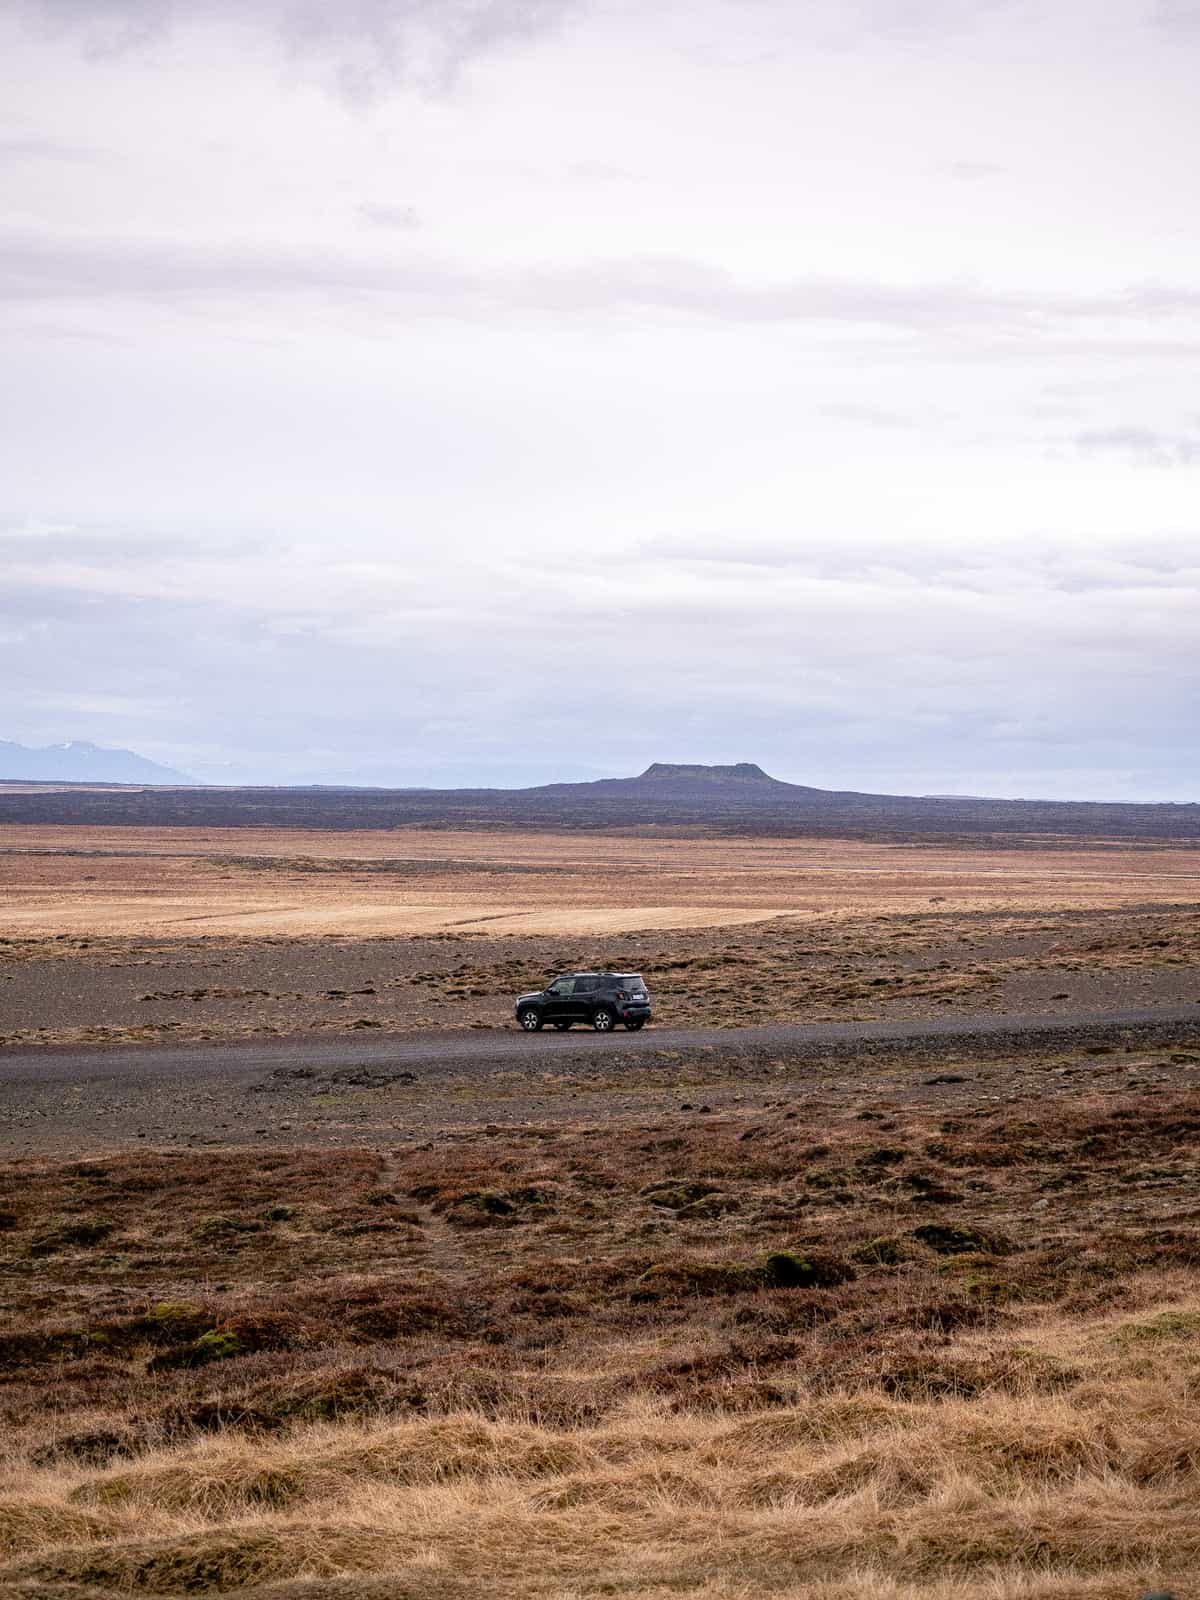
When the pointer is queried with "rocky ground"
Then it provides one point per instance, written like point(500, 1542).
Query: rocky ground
point(87, 990)
point(376, 1092)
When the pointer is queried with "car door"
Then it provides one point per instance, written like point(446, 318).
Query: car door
point(556, 1007)
point(583, 999)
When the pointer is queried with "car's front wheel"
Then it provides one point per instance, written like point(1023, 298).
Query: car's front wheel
point(603, 1020)
point(530, 1020)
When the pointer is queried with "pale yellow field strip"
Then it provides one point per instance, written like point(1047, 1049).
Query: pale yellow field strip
point(220, 882)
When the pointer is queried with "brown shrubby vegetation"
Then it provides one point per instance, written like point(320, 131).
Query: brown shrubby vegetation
point(880, 1351)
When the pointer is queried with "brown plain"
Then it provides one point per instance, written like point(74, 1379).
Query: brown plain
point(717, 1328)
point(167, 882)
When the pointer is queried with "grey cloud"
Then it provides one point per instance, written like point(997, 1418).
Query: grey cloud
point(832, 664)
point(113, 548)
point(107, 27)
point(363, 44)
point(189, 676)
point(192, 678)
point(727, 550)
point(1148, 300)
point(600, 172)
point(841, 24)
point(43, 266)
point(324, 593)
point(1144, 445)
point(34, 147)
point(974, 171)
point(915, 18)
point(1178, 15)
point(362, 47)
point(402, 218)
point(388, 27)
point(1134, 565)
point(868, 416)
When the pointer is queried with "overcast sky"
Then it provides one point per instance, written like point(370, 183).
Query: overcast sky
point(455, 391)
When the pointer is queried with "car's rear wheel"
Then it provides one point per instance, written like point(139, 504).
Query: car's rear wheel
point(634, 1023)
point(561, 1027)
point(603, 1020)
point(530, 1020)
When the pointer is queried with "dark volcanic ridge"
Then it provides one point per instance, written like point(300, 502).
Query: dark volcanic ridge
point(738, 799)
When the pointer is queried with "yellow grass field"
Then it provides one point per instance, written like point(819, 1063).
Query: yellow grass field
point(194, 883)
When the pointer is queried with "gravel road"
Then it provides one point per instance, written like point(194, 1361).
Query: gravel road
point(380, 1091)
point(475, 1052)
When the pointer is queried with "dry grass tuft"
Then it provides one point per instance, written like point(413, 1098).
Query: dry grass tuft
point(27, 1523)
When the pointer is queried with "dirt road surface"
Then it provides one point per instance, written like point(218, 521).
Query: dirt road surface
point(382, 1091)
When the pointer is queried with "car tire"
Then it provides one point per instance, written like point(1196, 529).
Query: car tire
point(603, 1019)
point(530, 1019)
point(561, 1027)
point(635, 1023)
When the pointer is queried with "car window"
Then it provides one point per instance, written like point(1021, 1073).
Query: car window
point(561, 986)
point(586, 985)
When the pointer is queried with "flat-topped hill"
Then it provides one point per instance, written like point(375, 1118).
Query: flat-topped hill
point(742, 781)
point(670, 771)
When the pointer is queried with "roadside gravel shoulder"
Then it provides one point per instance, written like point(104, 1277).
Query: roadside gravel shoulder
point(384, 1091)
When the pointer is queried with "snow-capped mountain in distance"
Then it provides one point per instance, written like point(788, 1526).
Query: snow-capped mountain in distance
point(80, 762)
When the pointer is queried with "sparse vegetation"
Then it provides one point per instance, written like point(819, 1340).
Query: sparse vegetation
point(520, 1361)
point(898, 959)
point(708, 1323)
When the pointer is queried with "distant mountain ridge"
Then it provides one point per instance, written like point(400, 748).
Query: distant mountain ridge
point(682, 797)
point(77, 761)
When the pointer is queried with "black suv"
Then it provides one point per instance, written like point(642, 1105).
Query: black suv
point(601, 998)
